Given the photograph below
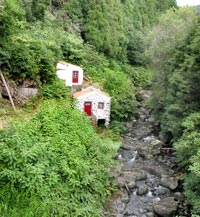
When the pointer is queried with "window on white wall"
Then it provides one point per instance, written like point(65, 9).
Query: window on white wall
point(75, 76)
point(101, 105)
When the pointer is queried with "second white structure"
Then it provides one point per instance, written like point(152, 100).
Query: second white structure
point(94, 102)
point(71, 74)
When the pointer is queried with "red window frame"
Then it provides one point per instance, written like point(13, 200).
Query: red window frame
point(75, 75)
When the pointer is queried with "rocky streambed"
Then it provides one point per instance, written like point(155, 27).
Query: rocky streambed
point(148, 181)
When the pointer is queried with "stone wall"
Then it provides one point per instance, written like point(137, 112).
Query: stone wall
point(20, 93)
point(95, 98)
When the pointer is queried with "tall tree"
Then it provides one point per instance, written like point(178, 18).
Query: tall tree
point(139, 15)
point(168, 81)
point(104, 27)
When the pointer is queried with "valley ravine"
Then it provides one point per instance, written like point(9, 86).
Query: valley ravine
point(149, 182)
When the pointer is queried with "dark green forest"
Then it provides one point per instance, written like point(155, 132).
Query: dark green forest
point(123, 46)
point(175, 55)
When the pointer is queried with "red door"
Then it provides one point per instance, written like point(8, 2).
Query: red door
point(75, 77)
point(88, 108)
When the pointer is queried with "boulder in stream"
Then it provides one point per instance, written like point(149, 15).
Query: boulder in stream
point(166, 207)
point(131, 184)
point(162, 191)
point(179, 196)
point(169, 182)
point(142, 190)
point(142, 175)
point(121, 182)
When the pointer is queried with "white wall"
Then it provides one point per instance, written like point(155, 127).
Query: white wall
point(95, 98)
point(64, 72)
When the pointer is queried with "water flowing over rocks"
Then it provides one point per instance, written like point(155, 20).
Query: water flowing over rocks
point(147, 181)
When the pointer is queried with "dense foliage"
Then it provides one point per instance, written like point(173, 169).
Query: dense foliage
point(170, 79)
point(188, 149)
point(93, 34)
point(176, 93)
point(116, 27)
point(53, 164)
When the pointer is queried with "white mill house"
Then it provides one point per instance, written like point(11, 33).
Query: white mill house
point(91, 100)
point(69, 73)
point(94, 103)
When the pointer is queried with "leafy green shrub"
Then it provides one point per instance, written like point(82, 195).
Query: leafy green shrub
point(188, 145)
point(121, 89)
point(188, 151)
point(192, 191)
point(57, 89)
point(53, 165)
point(140, 76)
point(118, 127)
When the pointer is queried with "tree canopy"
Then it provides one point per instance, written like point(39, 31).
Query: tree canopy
point(175, 55)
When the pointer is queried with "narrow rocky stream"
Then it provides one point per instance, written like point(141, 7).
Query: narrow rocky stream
point(148, 180)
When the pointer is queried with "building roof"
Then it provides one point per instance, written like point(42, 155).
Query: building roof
point(90, 89)
point(66, 64)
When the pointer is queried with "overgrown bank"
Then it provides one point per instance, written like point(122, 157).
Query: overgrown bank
point(54, 164)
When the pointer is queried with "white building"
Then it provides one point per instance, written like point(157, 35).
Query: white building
point(71, 74)
point(94, 103)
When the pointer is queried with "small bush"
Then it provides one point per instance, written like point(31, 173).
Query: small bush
point(118, 127)
point(56, 89)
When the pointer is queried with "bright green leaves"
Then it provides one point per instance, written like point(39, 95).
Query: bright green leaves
point(189, 144)
point(122, 92)
point(55, 160)
point(72, 48)
point(56, 89)
point(188, 150)
point(11, 19)
point(38, 9)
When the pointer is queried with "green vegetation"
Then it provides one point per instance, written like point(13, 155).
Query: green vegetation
point(86, 33)
point(54, 164)
point(169, 79)
point(188, 149)
point(175, 55)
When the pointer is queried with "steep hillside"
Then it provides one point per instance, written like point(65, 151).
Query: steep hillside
point(54, 164)
point(104, 37)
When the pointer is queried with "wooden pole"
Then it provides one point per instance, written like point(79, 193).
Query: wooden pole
point(8, 91)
